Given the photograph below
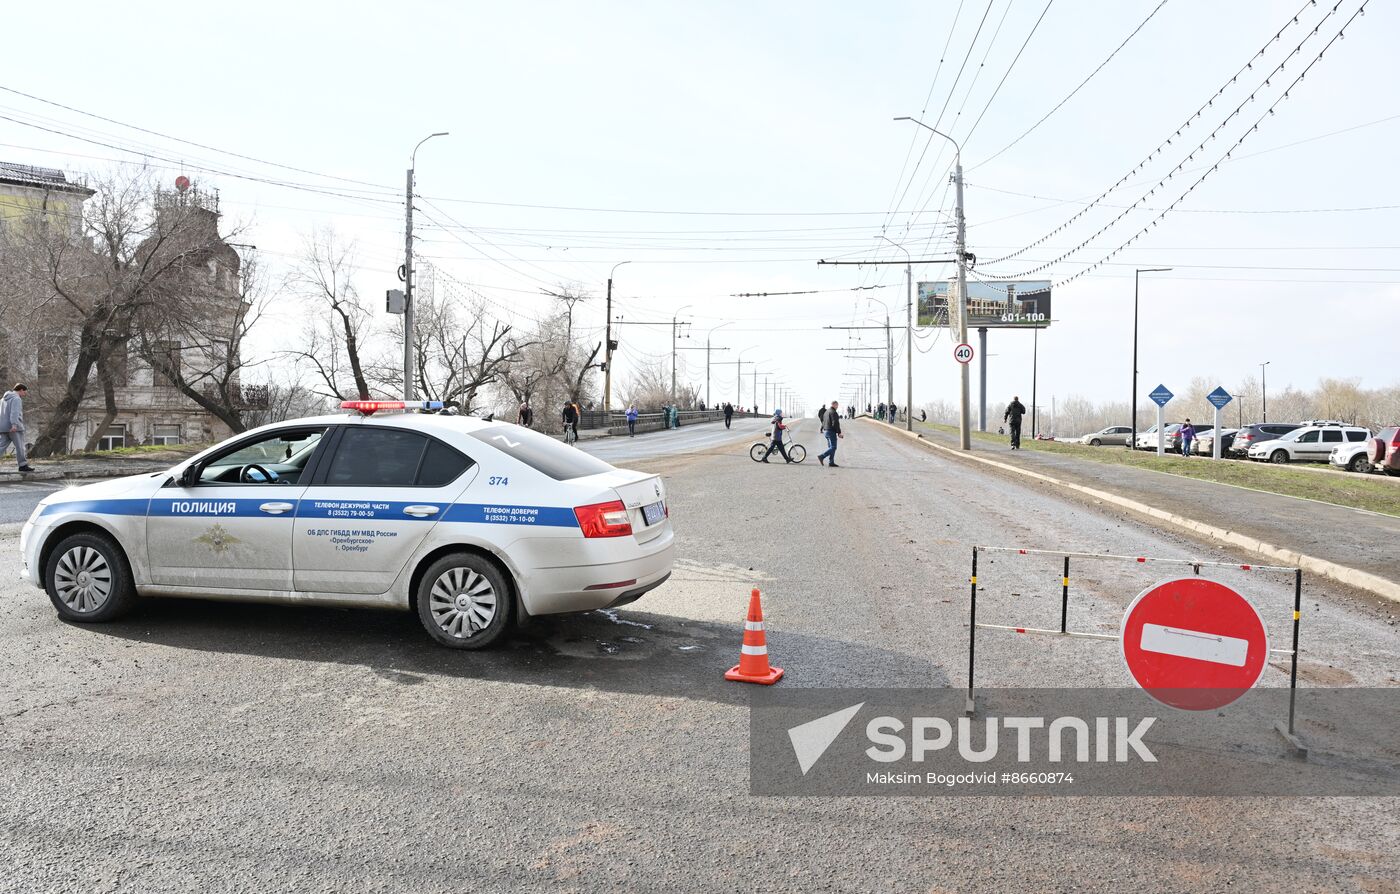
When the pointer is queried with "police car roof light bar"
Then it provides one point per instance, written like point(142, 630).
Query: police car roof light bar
point(370, 407)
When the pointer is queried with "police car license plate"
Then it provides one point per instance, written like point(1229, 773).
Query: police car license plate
point(654, 512)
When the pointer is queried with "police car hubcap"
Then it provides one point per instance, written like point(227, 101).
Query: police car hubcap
point(462, 602)
point(83, 579)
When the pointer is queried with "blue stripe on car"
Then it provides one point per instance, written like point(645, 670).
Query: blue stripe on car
point(464, 513)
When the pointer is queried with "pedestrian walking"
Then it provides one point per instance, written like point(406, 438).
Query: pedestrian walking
point(632, 421)
point(524, 416)
point(728, 413)
point(923, 416)
point(894, 413)
point(1014, 411)
point(777, 442)
point(1188, 434)
point(832, 430)
point(12, 424)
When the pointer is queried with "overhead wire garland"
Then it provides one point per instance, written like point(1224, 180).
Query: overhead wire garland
point(1161, 147)
point(1341, 33)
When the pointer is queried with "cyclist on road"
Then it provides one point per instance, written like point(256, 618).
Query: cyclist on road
point(570, 417)
point(777, 442)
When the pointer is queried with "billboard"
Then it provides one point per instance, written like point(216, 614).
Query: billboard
point(990, 305)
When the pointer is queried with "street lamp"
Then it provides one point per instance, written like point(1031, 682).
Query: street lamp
point(889, 349)
point(608, 343)
point(1264, 387)
point(965, 374)
point(1136, 274)
point(408, 271)
point(708, 400)
point(739, 378)
point(674, 317)
point(908, 335)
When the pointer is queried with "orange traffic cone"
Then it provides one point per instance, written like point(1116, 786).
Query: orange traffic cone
point(753, 657)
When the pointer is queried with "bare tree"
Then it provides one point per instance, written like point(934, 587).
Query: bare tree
point(209, 364)
point(338, 321)
point(87, 297)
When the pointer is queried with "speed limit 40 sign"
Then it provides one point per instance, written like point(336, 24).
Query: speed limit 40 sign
point(963, 353)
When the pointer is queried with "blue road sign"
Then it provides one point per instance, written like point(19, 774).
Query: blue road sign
point(1160, 395)
point(1219, 398)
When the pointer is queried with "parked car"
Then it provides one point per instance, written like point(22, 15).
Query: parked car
point(1174, 438)
point(1117, 435)
point(1258, 433)
point(1384, 452)
point(1147, 440)
point(1311, 443)
point(1354, 456)
point(1205, 444)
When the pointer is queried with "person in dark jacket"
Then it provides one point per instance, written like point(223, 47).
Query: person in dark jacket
point(1014, 411)
point(831, 427)
point(728, 413)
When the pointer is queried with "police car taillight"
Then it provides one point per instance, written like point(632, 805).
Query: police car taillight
point(370, 407)
point(603, 519)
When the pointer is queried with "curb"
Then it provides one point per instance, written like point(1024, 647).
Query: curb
point(64, 475)
point(1352, 577)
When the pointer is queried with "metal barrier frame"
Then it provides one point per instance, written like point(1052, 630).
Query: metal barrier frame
point(1287, 732)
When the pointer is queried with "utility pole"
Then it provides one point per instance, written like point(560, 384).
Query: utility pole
point(738, 374)
point(1137, 273)
point(408, 271)
point(1264, 388)
point(1035, 374)
point(672, 324)
point(675, 325)
point(608, 343)
point(965, 374)
point(709, 399)
point(909, 337)
point(707, 350)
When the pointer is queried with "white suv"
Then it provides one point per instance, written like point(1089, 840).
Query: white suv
point(1311, 443)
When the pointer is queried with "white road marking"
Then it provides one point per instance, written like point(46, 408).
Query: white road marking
point(1183, 643)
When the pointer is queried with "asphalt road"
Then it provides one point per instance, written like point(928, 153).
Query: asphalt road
point(19, 499)
point(220, 747)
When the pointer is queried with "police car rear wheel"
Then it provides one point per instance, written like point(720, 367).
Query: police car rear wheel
point(87, 579)
point(464, 602)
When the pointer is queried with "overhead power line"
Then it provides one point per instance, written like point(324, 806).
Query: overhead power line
point(1069, 95)
point(1199, 148)
point(1238, 142)
point(1161, 147)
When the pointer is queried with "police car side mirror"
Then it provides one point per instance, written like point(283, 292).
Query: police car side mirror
point(190, 476)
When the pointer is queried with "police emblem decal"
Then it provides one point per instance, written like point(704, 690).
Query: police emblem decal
point(218, 539)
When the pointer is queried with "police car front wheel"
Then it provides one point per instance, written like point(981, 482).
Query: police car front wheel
point(87, 579)
point(464, 601)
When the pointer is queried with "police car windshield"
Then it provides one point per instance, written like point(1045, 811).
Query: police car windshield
point(541, 452)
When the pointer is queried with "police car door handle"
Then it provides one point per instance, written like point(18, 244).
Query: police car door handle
point(277, 508)
point(420, 511)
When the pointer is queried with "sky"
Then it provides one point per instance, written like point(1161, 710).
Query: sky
point(723, 149)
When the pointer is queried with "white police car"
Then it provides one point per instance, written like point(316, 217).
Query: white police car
point(472, 524)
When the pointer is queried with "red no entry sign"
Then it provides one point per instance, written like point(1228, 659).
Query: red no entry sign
point(1194, 643)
